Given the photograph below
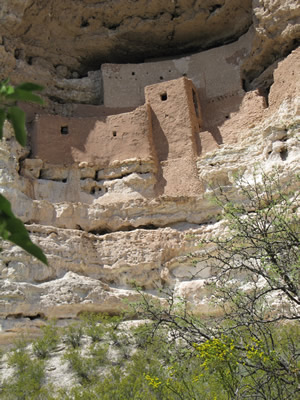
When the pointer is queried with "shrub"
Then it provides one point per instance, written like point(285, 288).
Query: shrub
point(48, 342)
point(73, 335)
point(26, 382)
point(86, 367)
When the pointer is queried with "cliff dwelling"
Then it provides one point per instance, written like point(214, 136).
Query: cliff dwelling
point(166, 113)
point(164, 129)
point(104, 139)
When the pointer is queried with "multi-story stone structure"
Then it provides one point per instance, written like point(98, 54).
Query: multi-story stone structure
point(165, 127)
point(163, 130)
point(149, 112)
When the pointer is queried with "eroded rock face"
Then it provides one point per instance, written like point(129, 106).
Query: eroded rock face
point(83, 34)
point(277, 32)
point(56, 43)
point(137, 219)
point(97, 249)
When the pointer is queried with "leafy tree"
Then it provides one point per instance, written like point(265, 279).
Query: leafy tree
point(12, 228)
point(252, 346)
point(263, 246)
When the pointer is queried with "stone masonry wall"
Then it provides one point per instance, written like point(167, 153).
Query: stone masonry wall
point(101, 140)
point(168, 121)
point(214, 72)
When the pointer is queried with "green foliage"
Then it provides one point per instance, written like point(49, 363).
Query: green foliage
point(73, 335)
point(12, 228)
point(97, 325)
point(158, 371)
point(94, 328)
point(43, 346)
point(161, 366)
point(126, 382)
point(26, 382)
point(17, 117)
point(251, 350)
point(9, 95)
point(86, 367)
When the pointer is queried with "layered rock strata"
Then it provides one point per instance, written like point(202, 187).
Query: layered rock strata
point(60, 43)
point(105, 223)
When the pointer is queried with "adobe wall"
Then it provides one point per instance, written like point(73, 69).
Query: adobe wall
point(175, 117)
point(176, 120)
point(215, 72)
point(98, 140)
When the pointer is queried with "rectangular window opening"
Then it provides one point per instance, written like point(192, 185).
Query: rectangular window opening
point(64, 130)
point(164, 96)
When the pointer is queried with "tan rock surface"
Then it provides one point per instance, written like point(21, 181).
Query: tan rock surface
point(83, 34)
point(276, 33)
point(137, 217)
point(61, 43)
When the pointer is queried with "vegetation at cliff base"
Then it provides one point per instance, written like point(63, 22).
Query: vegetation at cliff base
point(134, 364)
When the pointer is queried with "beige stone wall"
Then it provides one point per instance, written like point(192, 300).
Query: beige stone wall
point(215, 72)
point(168, 121)
point(174, 119)
point(101, 140)
point(164, 130)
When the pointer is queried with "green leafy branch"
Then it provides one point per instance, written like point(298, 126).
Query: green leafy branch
point(12, 228)
point(9, 96)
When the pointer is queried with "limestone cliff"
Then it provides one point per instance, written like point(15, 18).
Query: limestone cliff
point(113, 182)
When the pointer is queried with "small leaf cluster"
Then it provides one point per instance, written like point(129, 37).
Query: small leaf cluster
point(9, 96)
point(12, 228)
